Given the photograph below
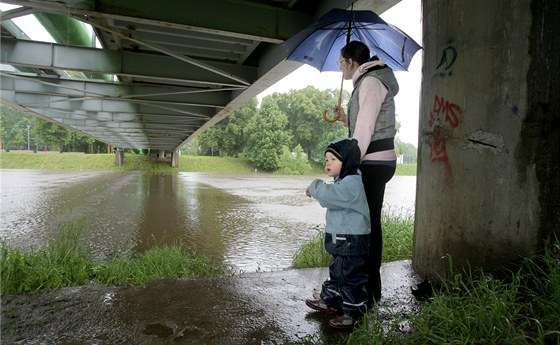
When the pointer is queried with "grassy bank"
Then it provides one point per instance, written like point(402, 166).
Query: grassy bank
point(519, 306)
point(64, 262)
point(134, 162)
point(398, 227)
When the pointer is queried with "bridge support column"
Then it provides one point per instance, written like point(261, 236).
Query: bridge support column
point(488, 156)
point(175, 159)
point(119, 157)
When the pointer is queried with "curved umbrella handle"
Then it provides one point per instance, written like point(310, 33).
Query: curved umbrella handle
point(326, 118)
point(336, 117)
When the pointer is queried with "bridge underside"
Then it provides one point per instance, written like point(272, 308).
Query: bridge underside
point(151, 74)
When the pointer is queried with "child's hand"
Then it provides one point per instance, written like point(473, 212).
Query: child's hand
point(307, 192)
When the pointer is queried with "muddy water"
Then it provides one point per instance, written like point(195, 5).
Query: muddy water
point(251, 222)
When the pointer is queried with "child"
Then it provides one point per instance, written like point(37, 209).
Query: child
point(346, 235)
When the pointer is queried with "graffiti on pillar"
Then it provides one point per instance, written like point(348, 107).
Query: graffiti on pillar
point(444, 116)
point(448, 111)
point(448, 58)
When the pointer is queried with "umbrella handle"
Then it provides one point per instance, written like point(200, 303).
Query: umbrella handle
point(326, 118)
point(336, 117)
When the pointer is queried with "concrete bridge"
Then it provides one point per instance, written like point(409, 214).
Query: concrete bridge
point(152, 74)
point(488, 182)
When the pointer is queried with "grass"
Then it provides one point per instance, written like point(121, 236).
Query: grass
point(517, 308)
point(520, 306)
point(398, 227)
point(132, 162)
point(64, 262)
point(135, 162)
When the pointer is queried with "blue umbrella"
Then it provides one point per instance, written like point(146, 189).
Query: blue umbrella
point(319, 44)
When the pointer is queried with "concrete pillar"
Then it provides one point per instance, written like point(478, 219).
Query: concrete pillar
point(175, 159)
point(119, 157)
point(489, 138)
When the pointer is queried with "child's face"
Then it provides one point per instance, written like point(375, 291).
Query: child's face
point(332, 165)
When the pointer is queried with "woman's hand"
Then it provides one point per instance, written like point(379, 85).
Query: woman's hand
point(340, 115)
point(307, 192)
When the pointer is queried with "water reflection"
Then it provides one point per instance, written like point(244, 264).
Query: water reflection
point(252, 222)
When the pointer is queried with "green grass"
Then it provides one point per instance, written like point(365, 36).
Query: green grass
point(135, 162)
point(521, 307)
point(132, 162)
point(64, 262)
point(398, 227)
point(312, 253)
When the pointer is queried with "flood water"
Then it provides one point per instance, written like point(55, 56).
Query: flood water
point(250, 222)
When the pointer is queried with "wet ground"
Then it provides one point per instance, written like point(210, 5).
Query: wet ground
point(252, 308)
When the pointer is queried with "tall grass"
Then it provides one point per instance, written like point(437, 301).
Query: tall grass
point(164, 262)
point(64, 262)
point(312, 253)
point(520, 308)
point(398, 227)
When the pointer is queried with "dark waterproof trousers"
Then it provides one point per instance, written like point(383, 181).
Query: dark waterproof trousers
point(375, 177)
point(346, 287)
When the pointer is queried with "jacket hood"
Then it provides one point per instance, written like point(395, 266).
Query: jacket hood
point(348, 151)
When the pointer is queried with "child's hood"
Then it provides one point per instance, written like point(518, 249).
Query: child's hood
point(348, 151)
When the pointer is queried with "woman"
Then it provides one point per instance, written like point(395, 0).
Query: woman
point(371, 120)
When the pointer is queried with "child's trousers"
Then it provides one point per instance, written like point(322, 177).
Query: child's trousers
point(346, 287)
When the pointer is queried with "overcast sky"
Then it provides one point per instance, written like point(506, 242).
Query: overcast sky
point(406, 15)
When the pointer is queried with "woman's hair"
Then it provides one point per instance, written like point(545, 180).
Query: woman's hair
point(357, 51)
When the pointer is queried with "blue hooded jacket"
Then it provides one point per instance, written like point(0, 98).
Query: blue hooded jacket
point(347, 220)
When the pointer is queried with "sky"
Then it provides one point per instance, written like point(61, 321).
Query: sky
point(407, 16)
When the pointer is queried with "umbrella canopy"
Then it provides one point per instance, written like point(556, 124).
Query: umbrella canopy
point(319, 44)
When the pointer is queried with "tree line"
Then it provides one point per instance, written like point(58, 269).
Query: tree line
point(20, 131)
point(285, 124)
point(284, 132)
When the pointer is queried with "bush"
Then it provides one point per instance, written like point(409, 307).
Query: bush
point(293, 163)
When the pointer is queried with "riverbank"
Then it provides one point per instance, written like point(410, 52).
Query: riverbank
point(134, 162)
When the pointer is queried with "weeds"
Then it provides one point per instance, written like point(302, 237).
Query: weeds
point(397, 227)
point(312, 253)
point(64, 262)
point(521, 308)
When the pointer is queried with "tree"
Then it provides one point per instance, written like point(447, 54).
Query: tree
point(234, 139)
point(266, 135)
point(304, 109)
point(408, 151)
point(14, 125)
point(13, 128)
point(227, 135)
point(293, 163)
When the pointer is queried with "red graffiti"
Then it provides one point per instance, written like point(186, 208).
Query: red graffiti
point(449, 111)
point(439, 152)
point(437, 143)
point(442, 113)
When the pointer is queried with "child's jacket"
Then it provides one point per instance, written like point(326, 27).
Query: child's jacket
point(347, 220)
